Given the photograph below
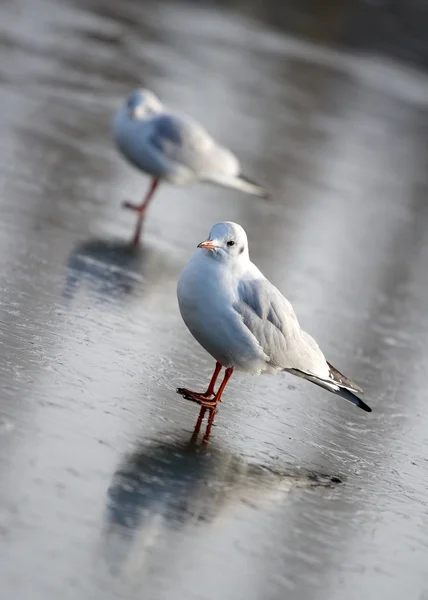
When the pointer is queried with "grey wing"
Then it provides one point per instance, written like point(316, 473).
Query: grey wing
point(271, 319)
point(187, 143)
point(273, 322)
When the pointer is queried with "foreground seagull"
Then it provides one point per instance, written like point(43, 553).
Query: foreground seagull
point(173, 148)
point(245, 323)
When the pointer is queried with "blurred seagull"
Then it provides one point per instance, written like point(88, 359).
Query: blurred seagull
point(173, 148)
point(245, 323)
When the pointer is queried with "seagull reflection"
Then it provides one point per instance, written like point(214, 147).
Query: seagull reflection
point(112, 267)
point(162, 490)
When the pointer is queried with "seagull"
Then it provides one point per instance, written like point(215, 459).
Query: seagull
point(172, 147)
point(245, 323)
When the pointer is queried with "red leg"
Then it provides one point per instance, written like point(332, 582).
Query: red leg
point(210, 390)
point(141, 209)
point(213, 412)
point(197, 396)
point(223, 384)
point(217, 399)
point(198, 424)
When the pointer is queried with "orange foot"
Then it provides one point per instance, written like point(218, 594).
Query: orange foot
point(201, 399)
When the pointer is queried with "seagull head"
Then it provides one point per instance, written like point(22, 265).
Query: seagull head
point(143, 103)
point(226, 242)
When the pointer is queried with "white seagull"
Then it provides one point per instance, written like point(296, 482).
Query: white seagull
point(173, 148)
point(245, 323)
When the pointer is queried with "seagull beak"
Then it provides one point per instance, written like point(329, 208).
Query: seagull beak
point(208, 245)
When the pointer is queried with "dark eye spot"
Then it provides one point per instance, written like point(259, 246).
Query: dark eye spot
point(241, 249)
point(230, 243)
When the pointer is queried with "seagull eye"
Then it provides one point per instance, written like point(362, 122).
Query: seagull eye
point(230, 243)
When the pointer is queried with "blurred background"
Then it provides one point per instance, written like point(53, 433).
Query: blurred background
point(297, 494)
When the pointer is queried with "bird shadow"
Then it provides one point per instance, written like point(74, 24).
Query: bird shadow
point(161, 491)
point(112, 269)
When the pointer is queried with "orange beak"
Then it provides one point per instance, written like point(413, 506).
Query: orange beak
point(208, 245)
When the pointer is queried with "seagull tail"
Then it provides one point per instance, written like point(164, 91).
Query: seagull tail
point(239, 183)
point(351, 397)
point(338, 384)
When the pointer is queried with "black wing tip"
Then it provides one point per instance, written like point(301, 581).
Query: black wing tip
point(342, 392)
point(364, 406)
point(346, 394)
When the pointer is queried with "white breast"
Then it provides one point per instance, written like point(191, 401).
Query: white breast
point(206, 295)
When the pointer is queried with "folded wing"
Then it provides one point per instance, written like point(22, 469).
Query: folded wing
point(273, 322)
point(187, 143)
point(271, 319)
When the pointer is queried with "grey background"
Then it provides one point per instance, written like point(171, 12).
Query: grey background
point(101, 494)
